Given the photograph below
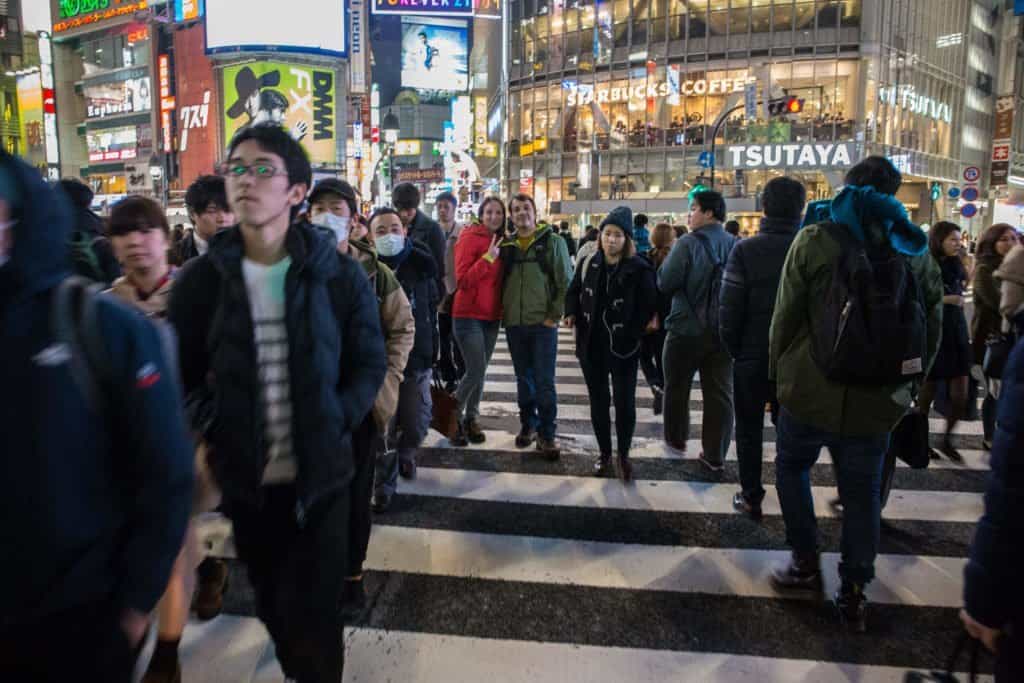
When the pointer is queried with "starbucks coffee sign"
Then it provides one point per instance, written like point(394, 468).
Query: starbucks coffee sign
point(602, 93)
point(802, 155)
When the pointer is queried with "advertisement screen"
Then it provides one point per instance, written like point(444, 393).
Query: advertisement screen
point(299, 97)
point(130, 96)
point(187, 10)
point(112, 144)
point(435, 54)
point(318, 26)
point(30, 110)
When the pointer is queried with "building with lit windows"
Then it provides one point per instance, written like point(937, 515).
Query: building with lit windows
point(613, 101)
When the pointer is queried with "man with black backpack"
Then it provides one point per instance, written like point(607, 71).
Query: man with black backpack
point(856, 325)
point(692, 276)
point(97, 460)
point(537, 273)
point(92, 256)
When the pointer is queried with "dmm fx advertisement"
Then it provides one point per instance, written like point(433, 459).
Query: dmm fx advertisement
point(300, 98)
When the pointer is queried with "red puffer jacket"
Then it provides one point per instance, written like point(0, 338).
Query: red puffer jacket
point(479, 280)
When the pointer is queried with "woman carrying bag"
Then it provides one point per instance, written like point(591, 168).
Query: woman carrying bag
point(611, 302)
point(987, 322)
point(476, 312)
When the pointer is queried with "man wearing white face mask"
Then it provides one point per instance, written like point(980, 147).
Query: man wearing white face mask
point(416, 269)
point(332, 205)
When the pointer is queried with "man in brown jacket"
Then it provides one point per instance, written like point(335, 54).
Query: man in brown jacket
point(332, 206)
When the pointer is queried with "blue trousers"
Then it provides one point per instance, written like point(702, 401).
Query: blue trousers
point(533, 349)
point(858, 465)
point(407, 430)
point(476, 340)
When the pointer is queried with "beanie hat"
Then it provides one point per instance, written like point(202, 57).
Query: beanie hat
point(621, 217)
point(1012, 270)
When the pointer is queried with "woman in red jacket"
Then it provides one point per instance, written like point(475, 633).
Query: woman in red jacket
point(476, 311)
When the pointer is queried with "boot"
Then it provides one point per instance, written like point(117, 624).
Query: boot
point(213, 581)
point(625, 468)
point(740, 503)
point(852, 606)
point(603, 465)
point(525, 437)
point(947, 449)
point(802, 573)
point(659, 398)
point(548, 449)
point(461, 438)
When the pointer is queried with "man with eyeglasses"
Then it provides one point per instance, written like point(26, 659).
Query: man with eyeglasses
point(208, 210)
point(281, 358)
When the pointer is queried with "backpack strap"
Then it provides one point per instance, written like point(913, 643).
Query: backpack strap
point(74, 322)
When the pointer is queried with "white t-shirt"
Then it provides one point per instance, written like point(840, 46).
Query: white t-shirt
point(265, 285)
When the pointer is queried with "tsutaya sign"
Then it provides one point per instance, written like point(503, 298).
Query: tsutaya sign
point(906, 97)
point(810, 155)
point(602, 93)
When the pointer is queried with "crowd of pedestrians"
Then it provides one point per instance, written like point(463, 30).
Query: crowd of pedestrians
point(278, 364)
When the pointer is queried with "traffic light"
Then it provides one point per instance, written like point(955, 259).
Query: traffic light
point(936, 191)
point(785, 105)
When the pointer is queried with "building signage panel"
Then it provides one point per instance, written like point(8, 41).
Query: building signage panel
point(810, 155)
point(357, 58)
point(299, 97)
point(604, 93)
point(113, 144)
point(130, 96)
point(446, 8)
point(906, 97)
point(1004, 118)
point(420, 175)
point(75, 13)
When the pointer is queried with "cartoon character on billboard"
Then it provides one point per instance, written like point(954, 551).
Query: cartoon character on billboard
point(262, 104)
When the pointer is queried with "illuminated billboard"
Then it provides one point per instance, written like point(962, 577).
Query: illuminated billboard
point(30, 118)
point(313, 26)
point(187, 10)
point(447, 8)
point(130, 96)
point(435, 54)
point(113, 144)
point(300, 97)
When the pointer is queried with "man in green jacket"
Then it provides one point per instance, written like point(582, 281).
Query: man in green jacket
point(537, 273)
point(854, 421)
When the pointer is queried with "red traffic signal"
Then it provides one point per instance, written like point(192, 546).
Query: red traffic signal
point(785, 105)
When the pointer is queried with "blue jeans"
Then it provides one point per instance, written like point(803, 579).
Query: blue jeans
point(858, 465)
point(407, 430)
point(476, 340)
point(533, 349)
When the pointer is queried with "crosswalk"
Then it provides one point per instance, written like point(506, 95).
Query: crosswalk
point(495, 564)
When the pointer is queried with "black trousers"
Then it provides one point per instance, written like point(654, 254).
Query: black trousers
point(450, 364)
point(84, 643)
point(366, 443)
point(751, 391)
point(297, 575)
point(623, 383)
point(651, 348)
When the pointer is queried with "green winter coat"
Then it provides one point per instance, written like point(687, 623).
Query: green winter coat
point(802, 388)
point(536, 279)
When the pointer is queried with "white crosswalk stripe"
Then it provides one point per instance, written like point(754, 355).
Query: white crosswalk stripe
point(656, 581)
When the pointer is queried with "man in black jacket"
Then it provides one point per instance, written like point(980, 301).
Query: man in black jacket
point(97, 464)
point(414, 267)
point(282, 356)
point(751, 280)
point(420, 226)
point(207, 204)
point(91, 254)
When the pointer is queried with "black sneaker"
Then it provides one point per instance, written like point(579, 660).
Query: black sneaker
point(548, 449)
point(461, 438)
point(852, 606)
point(717, 468)
point(625, 467)
point(353, 600)
point(407, 468)
point(381, 502)
point(474, 433)
point(803, 572)
point(525, 437)
point(740, 503)
point(947, 450)
point(603, 465)
point(659, 399)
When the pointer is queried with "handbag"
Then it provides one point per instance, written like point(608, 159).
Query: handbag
point(997, 352)
point(444, 414)
point(966, 642)
point(909, 440)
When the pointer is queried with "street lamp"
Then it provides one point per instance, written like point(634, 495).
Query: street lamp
point(391, 128)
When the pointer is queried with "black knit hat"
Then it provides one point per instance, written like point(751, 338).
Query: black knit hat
point(621, 217)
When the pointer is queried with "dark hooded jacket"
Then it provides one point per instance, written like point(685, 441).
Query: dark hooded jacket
point(749, 285)
point(336, 362)
point(88, 228)
point(417, 272)
point(97, 494)
point(428, 231)
point(621, 300)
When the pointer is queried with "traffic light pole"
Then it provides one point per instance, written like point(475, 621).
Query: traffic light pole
point(714, 138)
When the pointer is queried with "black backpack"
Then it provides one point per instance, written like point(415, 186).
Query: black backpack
point(707, 309)
point(872, 324)
point(510, 256)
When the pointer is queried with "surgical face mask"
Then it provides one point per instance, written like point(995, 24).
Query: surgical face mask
point(336, 224)
point(390, 244)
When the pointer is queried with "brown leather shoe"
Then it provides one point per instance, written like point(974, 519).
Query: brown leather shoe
point(213, 581)
point(474, 433)
point(548, 448)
